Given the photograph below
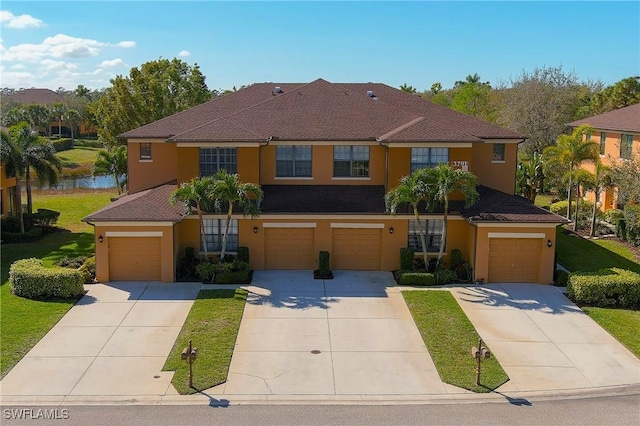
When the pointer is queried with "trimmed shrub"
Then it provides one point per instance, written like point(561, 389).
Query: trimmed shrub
point(45, 217)
point(324, 262)
point(235, 277)
point(205, 271)
point(445, 276)
point(29, 278)
point(612, 215)
point(621, 228)
point(27, 237)
point(611, 287)
point(74, 262)
point(243, 254)
point(584, 215)
point(632, 219)
point(88, 269)
point(417, 278)
point(406, 258)
point(10, 224)
point(62, 145)
point(560, 278)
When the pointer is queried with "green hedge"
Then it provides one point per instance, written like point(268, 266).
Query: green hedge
point(235, 277)
point(29, 278)
point(407, 277)
point(611, 287)
point(584, 215)
point(561, 278)
point(612, 215)
point(407, 258)
point(62, 145)
point(445, 276)
point(27, 237)
point(632, 219)
point(243, 254)
point(88, 269)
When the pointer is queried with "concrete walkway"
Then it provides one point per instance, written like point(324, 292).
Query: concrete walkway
point(114, 341)
point(543, 341)
point(352, 335)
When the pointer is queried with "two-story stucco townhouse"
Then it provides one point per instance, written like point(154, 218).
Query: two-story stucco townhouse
point(325, 154)
point(618, 133)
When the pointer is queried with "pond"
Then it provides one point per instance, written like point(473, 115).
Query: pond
point(89, 182)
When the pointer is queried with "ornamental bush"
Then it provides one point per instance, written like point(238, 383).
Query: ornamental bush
point(29, 278)
point(406, 258)
point(612, 215)
point(324, 263)
point(416, 278)
point(610, 287)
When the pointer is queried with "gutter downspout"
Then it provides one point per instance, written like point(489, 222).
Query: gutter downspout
point(386, 165)
point(260, 157)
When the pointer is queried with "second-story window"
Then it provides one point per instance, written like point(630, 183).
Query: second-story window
point(626, 146)
point(603, 142)
point(422, 158)
point(498, 152)
point(293, 161)
point(351, 161)
point(145, 151)
point(213, 160)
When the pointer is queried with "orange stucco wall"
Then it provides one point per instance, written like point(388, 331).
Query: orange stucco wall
point(167, 253)
point(497, 175)
point(322, 168)
point(547, 254)
point(145, 174)
point(5, 184)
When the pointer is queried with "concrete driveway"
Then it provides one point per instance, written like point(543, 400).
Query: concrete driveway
point(543, 341)
point(352, 335)
point(114, 341)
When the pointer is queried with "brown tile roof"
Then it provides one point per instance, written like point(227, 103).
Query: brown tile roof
point(151, 205)
point(36, 96)
point(323, 199)
point(321, 111)
point(625, 119)
point(496, 206)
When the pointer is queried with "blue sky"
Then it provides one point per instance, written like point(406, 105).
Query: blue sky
point(62, 44)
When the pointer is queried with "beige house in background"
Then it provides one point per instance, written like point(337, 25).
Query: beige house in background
point(618, 133)
point(324, 154)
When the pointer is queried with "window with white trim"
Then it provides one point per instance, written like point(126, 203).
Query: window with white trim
point(498, 152)
point(212, 160)
point(603, 142)
point(214, 231)
point(433, 233)
point(426, 158)
point(145, 151)
point(626, 146)
point(293, 161)
point(350, 161)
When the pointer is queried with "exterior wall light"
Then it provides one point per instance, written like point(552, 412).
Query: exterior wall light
point(549, 243)
point(255, 229)
point(391, 229)
point(100, 238)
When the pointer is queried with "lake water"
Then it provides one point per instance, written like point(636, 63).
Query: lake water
point(99, 182)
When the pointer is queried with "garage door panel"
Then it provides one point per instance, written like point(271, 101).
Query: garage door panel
point(289, 248)
point(356, 249)
point(514, 259)
point(134, 259)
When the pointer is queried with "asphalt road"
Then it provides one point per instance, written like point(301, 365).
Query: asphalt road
point(619, 410)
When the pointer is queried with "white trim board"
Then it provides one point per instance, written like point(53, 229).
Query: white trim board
point(136, 224)
point(516, 235)
point(358, 225)
point(288, 225)
point(517, 225)
point(133, 234)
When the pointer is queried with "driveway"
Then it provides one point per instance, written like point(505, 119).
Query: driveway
point(114, 341)
point(352, 335)
point(543, 341)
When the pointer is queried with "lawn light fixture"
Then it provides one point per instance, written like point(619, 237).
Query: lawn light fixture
point(255, 229)
point(549, 243)
point(100, 238)
point(391, 229)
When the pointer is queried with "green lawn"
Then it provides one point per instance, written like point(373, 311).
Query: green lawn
point(579, 254)
point(78, 161)
point(212, 324)
point(544, 200)
point(449, 336)
point(623, 324)
point(24, 321)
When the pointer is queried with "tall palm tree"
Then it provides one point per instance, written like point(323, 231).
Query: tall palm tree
point(38, 155)
point(14, 163)
point(569, 152)
point(228, 190)
point(407, 88)
point(412, 190)
point(195, 194)
point(57, 112)
point(601, 178)
point(446, 180)
point(114, 163)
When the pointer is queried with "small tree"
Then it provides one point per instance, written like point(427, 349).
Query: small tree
point(600, 179)
point(195, 194)
point(112, 162)
point(227, 190)
point(413, 190)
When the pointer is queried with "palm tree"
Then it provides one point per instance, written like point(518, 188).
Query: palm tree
point(73, 118)
point(569, 152)
point(56, 112)
point(446, 180)
point(195, 194)
point(228, 190)
point(114, 163)
point(530, 177)
point(601, 178)
point(408, 89)
point(581, 178)
point(413, 190)
point(13, 161)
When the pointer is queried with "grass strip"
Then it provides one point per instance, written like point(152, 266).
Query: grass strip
point(449, 336)
point(623, 324)
point(212, 324)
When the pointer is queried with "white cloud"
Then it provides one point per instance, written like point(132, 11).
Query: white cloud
point(112, 63)
point(21, 21)
point(184, 54)
point(127, 44)
point(16, 78)
point(18, 67)
point(51, 65)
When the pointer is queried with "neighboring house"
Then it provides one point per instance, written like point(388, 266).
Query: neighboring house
point(618, 133)
point(8, 195)
point(324, 154)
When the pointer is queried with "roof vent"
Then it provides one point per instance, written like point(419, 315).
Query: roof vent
point(278, 89)
point(372, 95)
